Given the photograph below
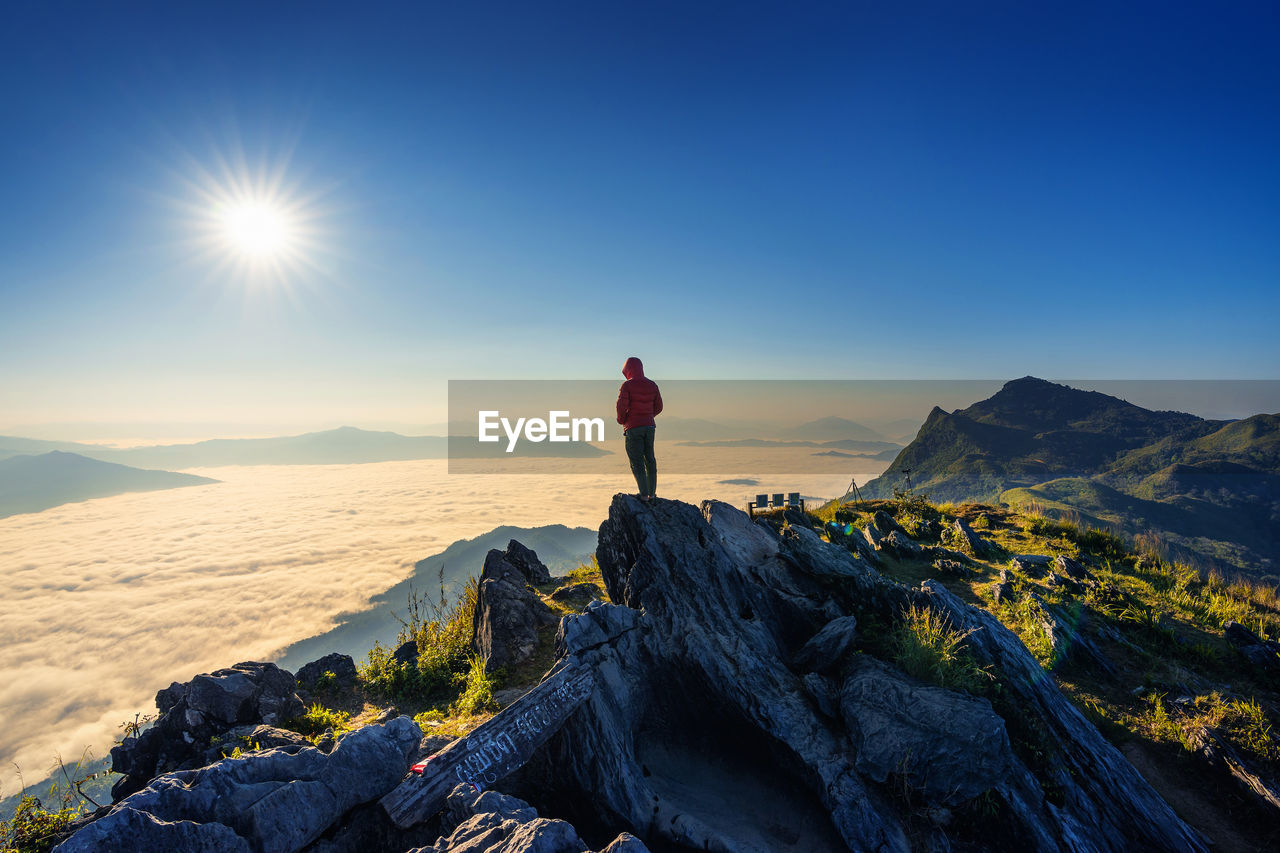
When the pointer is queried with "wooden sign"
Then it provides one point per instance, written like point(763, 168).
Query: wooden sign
point(496, 748)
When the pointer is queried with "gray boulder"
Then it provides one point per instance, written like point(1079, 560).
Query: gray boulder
point(406, 654)
point(522, 559)
point(829, 646)
point(193, 714)
point(897, 542)
point(491, 822)
point(1073, 569)
point(971, 541)
point(948, 746)
point(577, 590)
point(1034, 565)
point(952, 567)
point(508, 613)
point(342, 667)
point(270, 802)
point(1263, 654)
point(252, 739)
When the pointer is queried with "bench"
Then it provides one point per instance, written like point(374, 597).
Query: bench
point(791, 500)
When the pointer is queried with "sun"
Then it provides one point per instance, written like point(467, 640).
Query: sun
point(258, 229)
point(252, 224)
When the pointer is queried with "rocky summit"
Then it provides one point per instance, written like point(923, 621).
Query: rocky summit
point(729, 696)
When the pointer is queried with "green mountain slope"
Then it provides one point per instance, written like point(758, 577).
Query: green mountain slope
point(1208, 490)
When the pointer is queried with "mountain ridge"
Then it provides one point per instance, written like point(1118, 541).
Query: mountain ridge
point(30, 484)
point(1035, 440)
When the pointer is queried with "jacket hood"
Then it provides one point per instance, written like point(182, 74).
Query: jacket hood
point(633, 369)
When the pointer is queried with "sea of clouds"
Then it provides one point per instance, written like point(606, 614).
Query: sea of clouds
point(107, 601)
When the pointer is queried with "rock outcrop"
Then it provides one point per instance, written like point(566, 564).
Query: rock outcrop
point(729, 712)
point(490, 822)
point(272, 802)
point(524, 560)
point(970, 540)
point(314, 675)
point(197, 715)
point(1263, 654)
point(509, 613)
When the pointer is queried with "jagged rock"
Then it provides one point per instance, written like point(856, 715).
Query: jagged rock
point(508, 613)
point(430, 745)
point(1266, 657)
point(342, 667)
point(194, 713)
point(1033, 565)
point(829, 646)
point(1071, 568)
point(872, 535)
point(976, 544)
point(899, 543)
point(1111, 807)
point(1264, 654)
point(1002, 591)
point(254, 738)
point(698, 736)
point(952, 567)
point(522, 559)
point(1057, 581)
point(822, 691)
point(802, 548)
point(490, 822)
point(883, 533)
point(1067, 637)
point(269, 802)
point(939, 552)
point(885, 523)
point(860, 545)
point(406, 654)
point(577, 590)
point(1215, 749)
point(949, 747)
point(1239, 636)
point(690, 689)
point(599, 624)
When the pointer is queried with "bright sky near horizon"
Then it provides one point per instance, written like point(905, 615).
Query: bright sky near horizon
point(730, 190)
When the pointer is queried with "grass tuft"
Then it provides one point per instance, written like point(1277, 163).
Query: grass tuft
point(926, 646)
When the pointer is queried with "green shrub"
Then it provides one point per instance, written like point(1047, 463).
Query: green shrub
point(588, 572)
point(926, 646)
point(442, 633)
point(319, 718)
point(477, 696)
point(33, 828)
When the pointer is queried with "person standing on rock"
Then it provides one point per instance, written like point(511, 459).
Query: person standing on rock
point(638, 402)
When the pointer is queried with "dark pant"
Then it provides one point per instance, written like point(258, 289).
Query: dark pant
point(639, 441)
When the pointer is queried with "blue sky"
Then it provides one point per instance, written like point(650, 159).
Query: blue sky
point(524, 190)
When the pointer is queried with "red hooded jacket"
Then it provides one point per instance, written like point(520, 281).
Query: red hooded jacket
point(638, 398)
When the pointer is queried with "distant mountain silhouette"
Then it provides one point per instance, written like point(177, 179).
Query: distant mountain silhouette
point(671, 427)
point(345, 445)
point(561, 548)
point(866, 448)
point(831, 428)
point(342, 446)
point(35, 483)
point(1211, 489)
point(12, 445)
